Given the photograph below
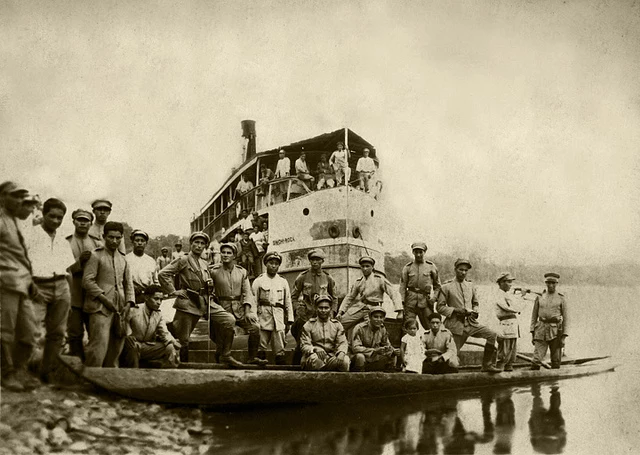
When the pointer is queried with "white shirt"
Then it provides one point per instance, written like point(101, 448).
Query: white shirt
point(246, 223)
point(143, 270)
point(244, 186)
point(49, 256)
point(301, 166)
point(366, 165)
point(338, 159)
point(283, 168)
point(259, 240)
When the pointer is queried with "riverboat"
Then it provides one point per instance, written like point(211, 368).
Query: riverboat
point(209, 385)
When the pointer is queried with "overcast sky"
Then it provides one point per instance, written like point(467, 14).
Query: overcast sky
point(511, 129)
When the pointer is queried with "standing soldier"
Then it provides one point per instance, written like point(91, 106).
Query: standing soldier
point(366, 293)
point(549, 323)
point(143, 267)
point(275, 312)
point(310, 283)
point(101, 210)
point(458, 302)
point(507, 311)
point(163, 260)
point(233, 290)
point(192, 294)
point(82, 244)
point(416, 281)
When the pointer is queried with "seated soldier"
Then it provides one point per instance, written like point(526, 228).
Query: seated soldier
point(149, 338)
point(371, 347)
point(322, 341)
point(441, 353)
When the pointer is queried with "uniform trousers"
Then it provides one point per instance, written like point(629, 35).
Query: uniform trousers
point(507, 349)
point(413, 312)
point(540, 350)
point(17, 330)
point(332, 363)
point(51, 314)
point(439, 367)
point(356, 314)
point(360, 362)
point(104, 347)
point(364, 180)
point(135, 351)
point(273, 338)
point(76, 324)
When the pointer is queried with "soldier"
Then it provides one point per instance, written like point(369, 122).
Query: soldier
point(458, 302)
point(109, 290)
point(143, 267)
point(149, 339)
point(367, 292)
point(313, 281)
point(82, 244)
point(371, 346)
point(507, 311)
point(416, 281)
point(549, 323)
point(233, 291)
point(441, 352)
point(101, 210)
point(324, 345)
point(163, 260)
point(192, 294)
point(275, 312)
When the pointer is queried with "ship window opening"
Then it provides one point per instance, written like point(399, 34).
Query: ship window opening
point(356, 232)
point(305, 212)
point(334, 231)
point(372, 213)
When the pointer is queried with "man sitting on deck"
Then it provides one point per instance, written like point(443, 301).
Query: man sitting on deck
point(323, 343)
point(302, 171)
point(441, 353)
point(371, 347)
point(149, 338)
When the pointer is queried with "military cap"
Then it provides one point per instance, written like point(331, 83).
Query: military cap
point(101, 203)
point(81, 213)
point(552, 277)
point(231, 246)
point(139, 232)
point(505, 276)
point(177, 243)
point(315, 254)
point(199, 235)
point(11, 188)
point(164, 248)
point(462, 261)
point(272, 255)
point(368, 259)
point(419, 246)
point(31, 199)
point(322, 298)
point(378, 309)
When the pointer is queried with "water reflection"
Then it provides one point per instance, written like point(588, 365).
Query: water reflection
point(400, 426)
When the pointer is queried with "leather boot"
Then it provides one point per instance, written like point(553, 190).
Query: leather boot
point(184, 353)
point(252, 348)
point(225, 338)
point(488, 359)
point(28, 381)
point(297, 356)
point(281, 359)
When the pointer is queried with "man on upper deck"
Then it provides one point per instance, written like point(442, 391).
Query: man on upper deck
point(283, 168)
point(549, 323)
point(417, 280)
point(365, 168)
point(339, 159)
point(458, 301)
point(302, 171)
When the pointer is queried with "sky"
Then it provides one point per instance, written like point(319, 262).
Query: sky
point(504, 129)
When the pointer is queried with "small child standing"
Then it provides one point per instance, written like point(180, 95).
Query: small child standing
point(412, 348)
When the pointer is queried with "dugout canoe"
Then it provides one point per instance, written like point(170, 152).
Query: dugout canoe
point(266, 387)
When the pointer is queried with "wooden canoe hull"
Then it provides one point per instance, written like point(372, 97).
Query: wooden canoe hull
point(272, 387)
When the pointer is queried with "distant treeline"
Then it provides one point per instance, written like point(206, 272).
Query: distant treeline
point(155, 243)
point(485, 271)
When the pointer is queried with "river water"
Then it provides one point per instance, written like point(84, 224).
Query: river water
point(591, 415)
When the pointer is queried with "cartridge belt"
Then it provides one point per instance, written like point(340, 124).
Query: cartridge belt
point(228, 298)
point(508, 316)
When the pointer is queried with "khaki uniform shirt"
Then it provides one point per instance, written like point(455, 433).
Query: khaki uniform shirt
point(78, 246)
point(148, 326)
point(307, 285)
point(108, 274)
point(327, 335)
point(15, 266)
point(455, 294)
point(366, 339)
point(193, 275)
point(416, 281)
point(274, 302)
point(232, 289)
point(442, 341)
point(507, 309)
point(371, 291)
point(549, 307)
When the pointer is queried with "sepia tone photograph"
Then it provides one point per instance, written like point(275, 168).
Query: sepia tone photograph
point(358, 227)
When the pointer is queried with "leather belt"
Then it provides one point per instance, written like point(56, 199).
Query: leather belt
point(549, 320)
point(418, 291)
point(508, 316)
point(267, 303)
point(371, 303)
point(228, 298)
point(50, 279)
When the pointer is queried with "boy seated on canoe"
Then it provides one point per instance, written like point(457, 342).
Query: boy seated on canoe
point(322, 341)
point(149, 338)
point(371, 347)
point(441, 353)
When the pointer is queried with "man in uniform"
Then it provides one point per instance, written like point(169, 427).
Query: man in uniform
point(549, 323)
point(82, 243)
point(371, 346)
point(233, 290)
point(275, 312)
point(143, 268)
point(109, 290)
point(313, 281)
point(458, 302)
point(507, 311)
point(416, 281)
point(441, 352)
point(149, 338)
point(192, 294)
point(367, 292)
point(323, 342)
point(101, 210)
point(164, 259)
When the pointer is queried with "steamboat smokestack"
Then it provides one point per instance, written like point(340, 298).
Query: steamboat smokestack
point(249, 133)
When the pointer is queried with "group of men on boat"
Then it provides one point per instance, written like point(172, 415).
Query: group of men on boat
point(85, 284)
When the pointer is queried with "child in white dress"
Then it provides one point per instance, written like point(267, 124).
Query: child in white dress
point(412, 348)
